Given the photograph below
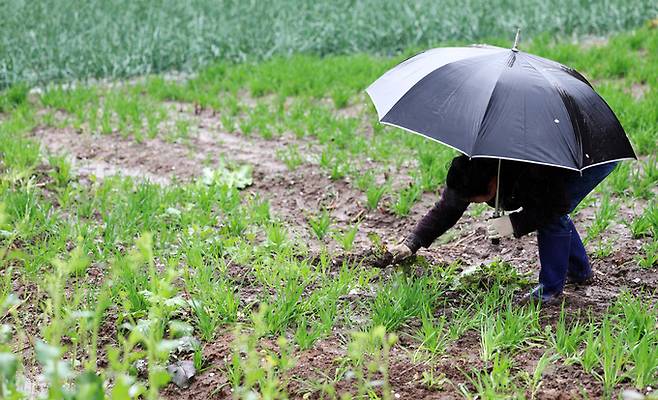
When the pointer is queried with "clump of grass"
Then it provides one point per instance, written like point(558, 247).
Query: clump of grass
point(346, 237)
point(406, 199)
point(13, 97)
point(605, 214)
point(498, 274)
point(402, 299)
point(374, 194)
point(320, 224)
point(291, 157)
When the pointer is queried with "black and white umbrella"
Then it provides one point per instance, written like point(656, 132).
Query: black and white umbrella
point(488, 101)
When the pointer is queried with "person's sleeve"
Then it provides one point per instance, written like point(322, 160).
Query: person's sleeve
point(444, 215)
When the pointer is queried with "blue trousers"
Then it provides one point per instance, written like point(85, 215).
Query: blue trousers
point(561, 251)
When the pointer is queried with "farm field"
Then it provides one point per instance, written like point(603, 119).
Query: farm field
point(60, 40)
point(228, 221)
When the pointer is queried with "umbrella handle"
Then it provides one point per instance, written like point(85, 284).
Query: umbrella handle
point(496, 241)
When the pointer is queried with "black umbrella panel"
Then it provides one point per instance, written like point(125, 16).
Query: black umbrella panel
point(489, 101)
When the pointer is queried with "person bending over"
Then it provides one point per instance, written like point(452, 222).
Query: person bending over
point(543, 195)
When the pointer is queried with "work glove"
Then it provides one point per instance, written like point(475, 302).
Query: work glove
point(399, 252)
point(499, 227)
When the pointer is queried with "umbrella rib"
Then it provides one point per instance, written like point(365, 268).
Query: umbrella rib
point(486, 111)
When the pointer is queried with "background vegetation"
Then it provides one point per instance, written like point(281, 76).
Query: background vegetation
point(50, 40)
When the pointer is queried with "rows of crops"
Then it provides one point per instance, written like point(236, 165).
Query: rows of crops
point(63, 40)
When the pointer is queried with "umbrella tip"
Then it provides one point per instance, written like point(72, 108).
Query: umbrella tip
point(516, 40)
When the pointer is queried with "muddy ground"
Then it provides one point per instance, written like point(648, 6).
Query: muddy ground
point(293, 194)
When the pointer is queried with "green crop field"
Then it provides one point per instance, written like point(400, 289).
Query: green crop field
point(50, 40)
point(212, 235)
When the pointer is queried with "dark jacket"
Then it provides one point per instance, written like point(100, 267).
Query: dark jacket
point(535, 189)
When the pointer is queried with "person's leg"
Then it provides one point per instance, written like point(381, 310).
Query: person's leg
point(561, 251)
point(579, 269)
point(578, 186)
point(554, 242)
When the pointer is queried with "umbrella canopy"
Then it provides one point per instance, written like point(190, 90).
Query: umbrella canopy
point(488, 101)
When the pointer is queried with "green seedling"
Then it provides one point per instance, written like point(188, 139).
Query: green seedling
point(611, 358)
point(61, 172)
point(617, 182)
point(259, 373)
point(305, 337)
point(340, 98)
point(643, 356)
point(402, 299)
point(534, 380)
point(368, 354)
point(406, 199)
point(433, 380)
point(320, 224)
point(645, 178)
point(650, 257)
point(374, 194)
point(365, 180)
point(13, 97)
point(640, 226)
point(433, 333)
point(604, 248)
point(214, 305)
point(589, 356)
point(284, 309)
point(496, 383)
point(638, 322)
point(605, 214)
point(567, 339)
point(509, 329)
point(346, 237)
point(291, 157)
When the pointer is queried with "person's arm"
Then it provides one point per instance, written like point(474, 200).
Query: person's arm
point(444, 215)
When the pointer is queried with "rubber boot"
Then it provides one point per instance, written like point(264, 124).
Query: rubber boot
point(554, 242)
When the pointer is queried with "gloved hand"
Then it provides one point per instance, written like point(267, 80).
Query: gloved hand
point(499, 227)
point(399, 252)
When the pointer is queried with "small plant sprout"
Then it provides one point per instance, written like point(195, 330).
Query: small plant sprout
point(291, 157)
point(61, 172)
point(650, 257)
point(567, 339)
point(305, 337)
point(320, 224)
point(433, 333)
point(346, 237)
point(374, 193)
point(604, 216)
point(406, 199)
point(368, 354)
point(534, 380)
point(434, 380)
